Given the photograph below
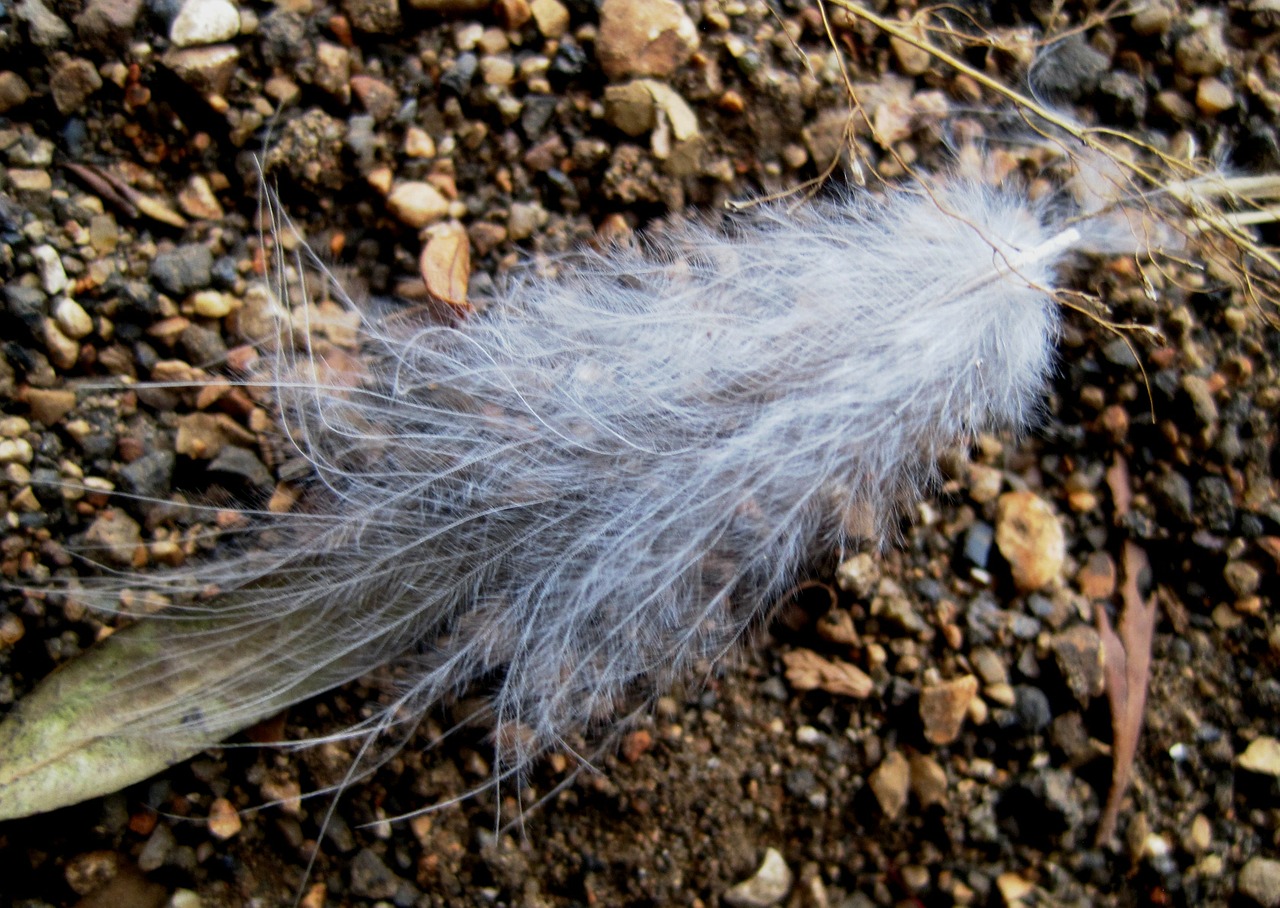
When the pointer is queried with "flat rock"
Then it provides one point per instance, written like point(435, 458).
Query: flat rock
point(207, 69)
point(944, 706)
point(644, 38)
point(49, 405)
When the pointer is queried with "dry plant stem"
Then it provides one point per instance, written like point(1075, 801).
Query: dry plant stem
point(1177, 175)
point(1127, 668)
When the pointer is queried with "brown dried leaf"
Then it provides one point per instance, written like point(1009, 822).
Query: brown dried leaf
point(806, 670)
point(1120, 486)
point(446, 264)
point(1127, 667)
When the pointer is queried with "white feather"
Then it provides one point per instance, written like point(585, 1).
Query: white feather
point(609, 476)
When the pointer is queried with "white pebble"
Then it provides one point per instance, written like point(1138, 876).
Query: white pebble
point(72, 319)
point(15, 450)
point(53, 277)
point(204, 22)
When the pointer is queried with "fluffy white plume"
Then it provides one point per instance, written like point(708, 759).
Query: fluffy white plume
point(566, 502)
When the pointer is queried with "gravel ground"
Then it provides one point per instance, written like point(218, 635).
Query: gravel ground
point(924, 726)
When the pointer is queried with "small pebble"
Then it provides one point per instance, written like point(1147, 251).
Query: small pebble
point(551, 17)
point(767, 887)
point(1203, 50)
point(116, 536)
point(224, 819)
point(928, 781)
point(1014, 889)
point(1151, 19)
point(1213, 96)
point(213, 304)
point(911, 59)
point(990, 666)
point(1243, 577)
point(636, 744)
point(859, 575)
point(72, 84)
point(890, 783)
point(333, 70)
point(418, 143)
point(1262, 756)
point(1097, 576)
point(1078, 652)
point(378, 16)
point(44, 26)
point(375, 96)
point(525, 218)
point(1199, 836)
point(206, 69)
point(943, 708)
point(371, 878)
point(105, 24)
point(417, 204)
point(1260, 881)
point(644, 38)
point(1031, 539)
point(53, 277)
point(197, 199)
point(49, 405)
point(201, 22)
point(14, 91)
point(90, 871)
point(184, 269)
point(63, 351)
point(72, 320)
point(1032, 709)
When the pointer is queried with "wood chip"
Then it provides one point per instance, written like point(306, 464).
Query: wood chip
point(806, 670)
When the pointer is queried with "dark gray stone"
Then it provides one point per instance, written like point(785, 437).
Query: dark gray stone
point(371, 878)
point(182, 270)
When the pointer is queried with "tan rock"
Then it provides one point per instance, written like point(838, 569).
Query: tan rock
point(224, 820)
point(416, 203)
point(891, 784)
point(1031, 539)
point(644, 38)
point(1262, 756)
point(943, 708)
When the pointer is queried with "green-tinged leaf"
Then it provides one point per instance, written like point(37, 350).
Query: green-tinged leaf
point(147, 697)
point(73, 737)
